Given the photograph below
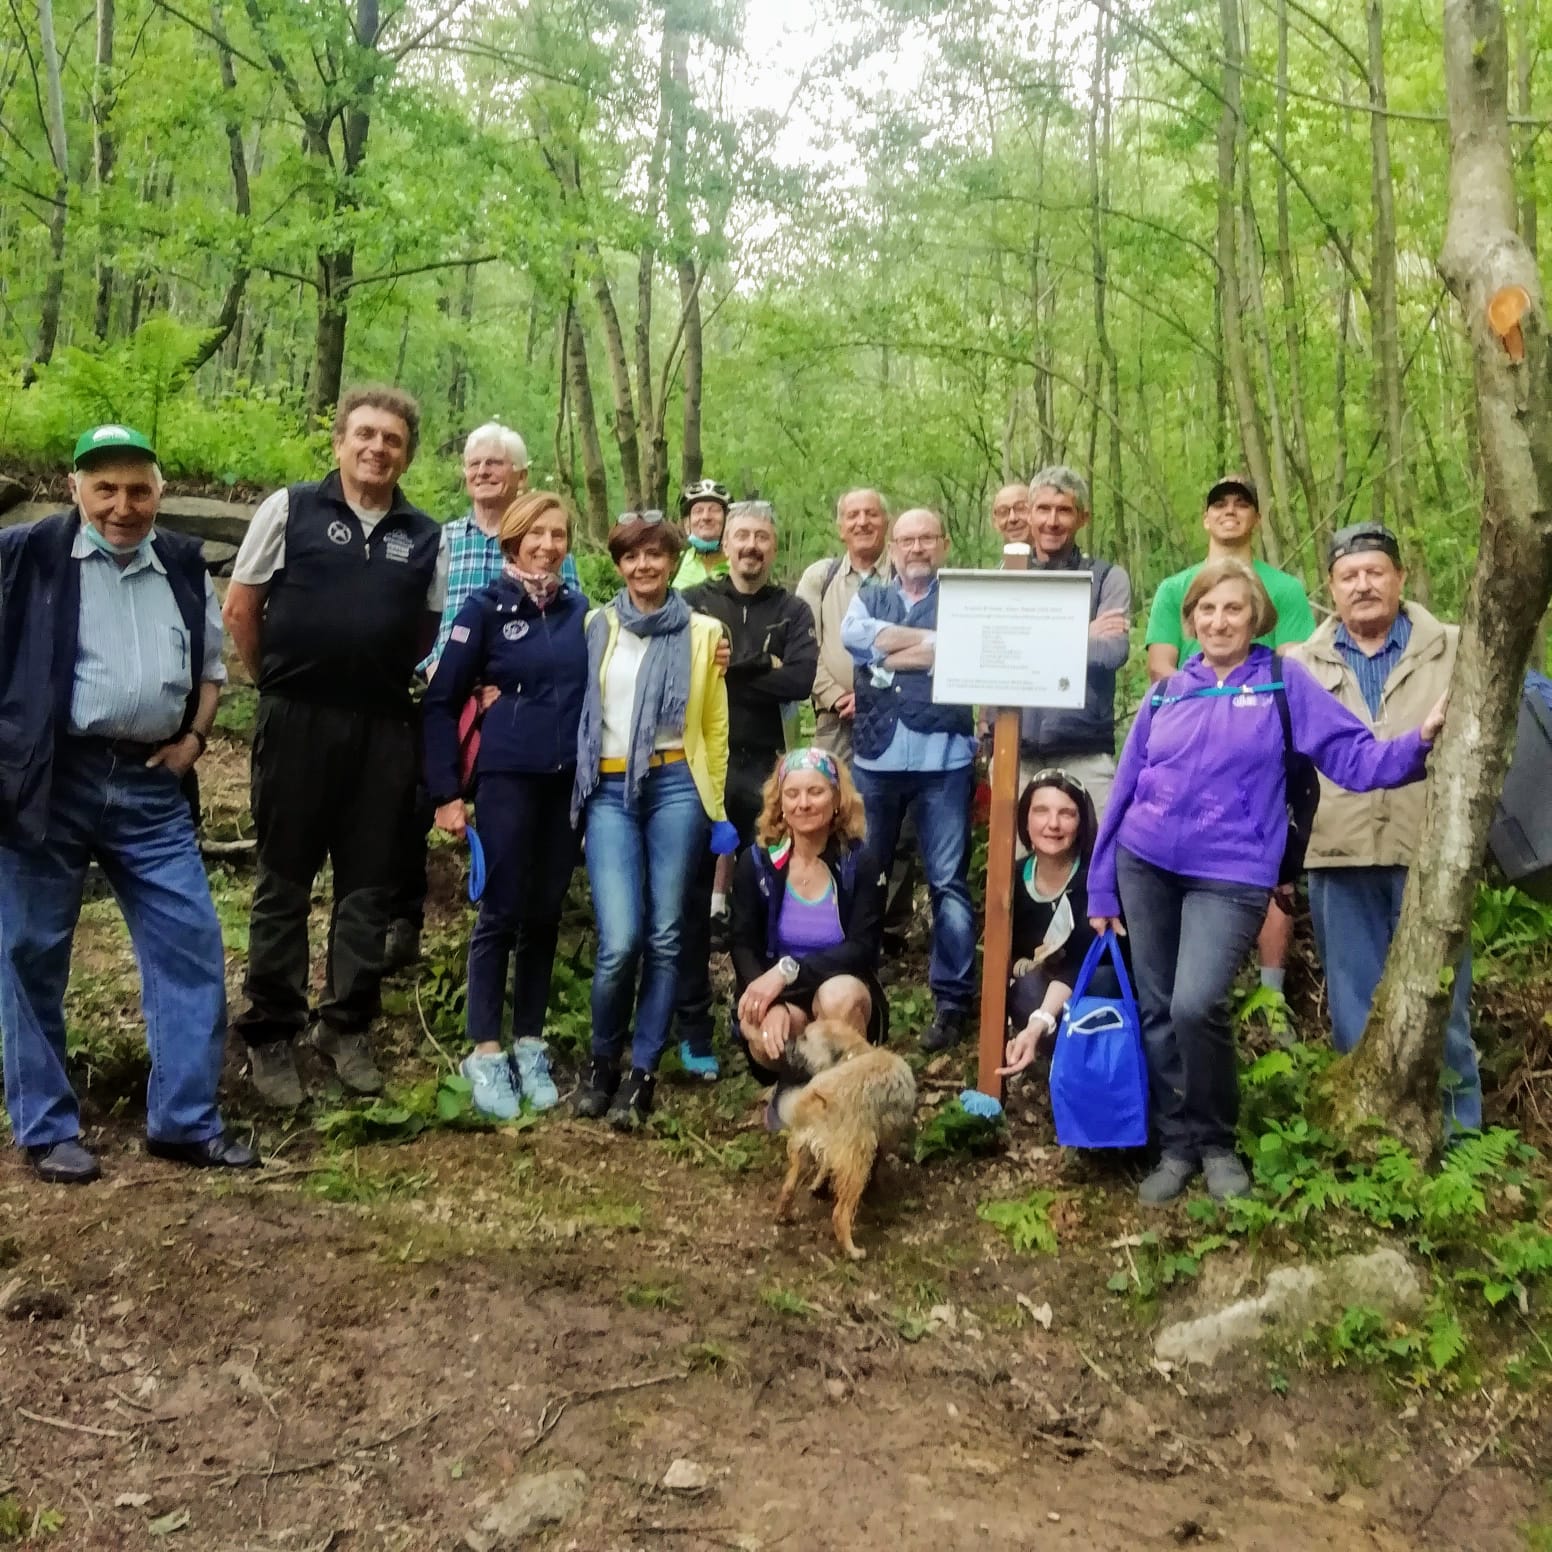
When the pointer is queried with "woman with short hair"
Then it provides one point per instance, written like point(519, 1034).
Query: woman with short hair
point(1192, 842)
point(521, 638)
point(651, 762)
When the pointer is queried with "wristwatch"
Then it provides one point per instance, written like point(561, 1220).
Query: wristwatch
point(788, 967)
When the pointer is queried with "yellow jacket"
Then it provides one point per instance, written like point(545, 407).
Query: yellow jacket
point(706, 721)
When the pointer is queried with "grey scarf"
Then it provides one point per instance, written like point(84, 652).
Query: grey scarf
point(662, 692)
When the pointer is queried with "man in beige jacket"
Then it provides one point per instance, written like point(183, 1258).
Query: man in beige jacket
point(1387, 661)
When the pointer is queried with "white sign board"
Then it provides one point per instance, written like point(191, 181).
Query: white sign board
point(1012, 638)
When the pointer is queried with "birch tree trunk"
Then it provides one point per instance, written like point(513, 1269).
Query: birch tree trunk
point(1394, 1072)
point(54, 282)
point(102, 131)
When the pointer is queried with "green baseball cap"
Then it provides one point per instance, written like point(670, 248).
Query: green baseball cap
point(109, 439)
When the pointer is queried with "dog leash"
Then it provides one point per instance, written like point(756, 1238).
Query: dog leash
point(476, 865)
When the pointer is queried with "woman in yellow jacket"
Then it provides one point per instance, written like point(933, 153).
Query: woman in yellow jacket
point(651, 765)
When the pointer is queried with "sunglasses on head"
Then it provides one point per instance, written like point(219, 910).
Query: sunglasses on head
point(1053, 776)
point(650, 516)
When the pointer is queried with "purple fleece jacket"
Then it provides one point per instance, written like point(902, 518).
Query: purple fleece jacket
point(1199, 787)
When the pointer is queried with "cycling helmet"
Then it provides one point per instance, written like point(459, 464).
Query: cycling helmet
point(704, 490)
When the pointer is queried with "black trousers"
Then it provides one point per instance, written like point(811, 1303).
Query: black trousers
point(748, 771)
point(335, 785)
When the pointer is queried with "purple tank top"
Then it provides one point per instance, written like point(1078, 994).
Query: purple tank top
point(807, 925)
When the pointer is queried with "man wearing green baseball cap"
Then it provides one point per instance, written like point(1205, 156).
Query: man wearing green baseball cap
point(110, 672)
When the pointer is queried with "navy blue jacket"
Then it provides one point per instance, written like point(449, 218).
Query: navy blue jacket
point(536, 658)
point(40, 607)
point(909, 697)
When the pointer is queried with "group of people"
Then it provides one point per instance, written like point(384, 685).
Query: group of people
point(410, 671)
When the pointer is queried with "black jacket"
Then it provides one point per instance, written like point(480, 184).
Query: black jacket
point(765, 628)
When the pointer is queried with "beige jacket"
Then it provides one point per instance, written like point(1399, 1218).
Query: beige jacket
point(832, 678)
point(1378, 829)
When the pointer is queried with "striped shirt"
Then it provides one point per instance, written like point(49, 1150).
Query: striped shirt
point(1372, 672)
point(474, 560)
point(132, 669)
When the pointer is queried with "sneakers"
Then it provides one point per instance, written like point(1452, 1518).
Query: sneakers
point(603, 1078)
point(531, 1067)
point(64, 1163)
point(1225, 1174)
point(633, 1103)
point(707, 1068)
point(352, 1058)
point(495, 1094)
point(945, 1031)
point(275, 1078)
point(401, 948)
point(1171, 1175)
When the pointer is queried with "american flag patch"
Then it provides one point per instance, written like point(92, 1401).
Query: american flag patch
point(460, 633)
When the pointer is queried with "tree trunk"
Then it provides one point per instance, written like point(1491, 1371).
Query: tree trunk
point(651, 435)
point(1394, 1073)
point(102, 129)
point(1099, 199)
point(1344, 328)
point(334, 271)
point(585, 420)
point(54, 282)
point(684, 263)
point(619, 377)
point(690, 464)
point(1524, 71)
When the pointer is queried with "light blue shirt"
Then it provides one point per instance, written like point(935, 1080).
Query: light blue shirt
point(132, 669)
point(908, 750)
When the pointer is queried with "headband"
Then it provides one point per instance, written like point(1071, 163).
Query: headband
point(811, 759)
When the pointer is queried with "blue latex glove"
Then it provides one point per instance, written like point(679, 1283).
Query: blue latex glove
point(476, 865)
point(978, 1104)
point(724, 838)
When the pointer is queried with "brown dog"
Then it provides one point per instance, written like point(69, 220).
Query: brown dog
point(861, 1098)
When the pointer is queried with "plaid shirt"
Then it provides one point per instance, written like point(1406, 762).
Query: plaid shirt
point(474, 560)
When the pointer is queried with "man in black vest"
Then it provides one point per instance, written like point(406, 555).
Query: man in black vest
point(910, 754)
point(1082, 743)
point(335, 596)
point(110, 673)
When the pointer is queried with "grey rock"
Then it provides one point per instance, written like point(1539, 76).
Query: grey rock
point(686, 1476)
point(530, 1504)
point(1383, 1280)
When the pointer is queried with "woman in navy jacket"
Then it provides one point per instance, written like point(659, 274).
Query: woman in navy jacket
point(521, 637)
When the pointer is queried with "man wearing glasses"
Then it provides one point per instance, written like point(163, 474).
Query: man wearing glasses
point(1010, 514)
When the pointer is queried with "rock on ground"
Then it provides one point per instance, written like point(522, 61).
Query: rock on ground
point(530, 1504)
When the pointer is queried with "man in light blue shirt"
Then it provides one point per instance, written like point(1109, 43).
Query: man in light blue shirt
point(110, 673)
point(911, 754)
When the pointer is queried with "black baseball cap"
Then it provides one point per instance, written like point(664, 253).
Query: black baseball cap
point(1358, 537)
point(1240, 482)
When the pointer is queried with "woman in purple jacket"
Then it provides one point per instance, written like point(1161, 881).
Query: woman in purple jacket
point(1191, 845)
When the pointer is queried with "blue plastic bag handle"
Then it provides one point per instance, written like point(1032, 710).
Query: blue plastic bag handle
point(1106, 940)
point(476, 865)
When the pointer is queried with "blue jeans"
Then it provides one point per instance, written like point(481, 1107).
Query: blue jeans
point(1189, 938)
point(1355, 911)
point(940, 803)
point(135, 823)
point(638, 863)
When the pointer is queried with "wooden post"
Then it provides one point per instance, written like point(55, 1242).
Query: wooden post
point(997, 947)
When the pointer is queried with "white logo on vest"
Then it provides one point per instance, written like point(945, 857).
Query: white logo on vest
point(396, 546)
point(515, 630)
point(339, 532)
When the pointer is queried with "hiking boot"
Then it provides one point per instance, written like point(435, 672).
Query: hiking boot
point(707, 1068)
point(494, 1093)
point(531, 1067)
point(275, 1078)
point(352, 1058)
point(945, 1031)
point(1170, 1176)
point(633, 1103)
point(401, 948)
point(64, 1163)
point(1225, 1174)
point(603, 1078)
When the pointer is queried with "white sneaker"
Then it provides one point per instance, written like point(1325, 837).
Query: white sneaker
point(495, 1094)
point(531, 1063)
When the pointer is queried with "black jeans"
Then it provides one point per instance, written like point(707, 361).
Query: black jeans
point(748, 771)
point(327, 784)
point(524, 823)
point(1189, 937)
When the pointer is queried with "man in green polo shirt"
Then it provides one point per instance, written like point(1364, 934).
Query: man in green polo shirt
point(1232, 516)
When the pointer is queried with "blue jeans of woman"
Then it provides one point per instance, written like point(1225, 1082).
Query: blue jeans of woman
point(638, 862)
point(1189, 938)
point(524, 824)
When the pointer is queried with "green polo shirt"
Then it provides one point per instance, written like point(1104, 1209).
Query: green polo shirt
point(1295, 619)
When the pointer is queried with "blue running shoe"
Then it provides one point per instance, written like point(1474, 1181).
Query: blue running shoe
point(495, 1094)
point(531, 1067)
point(706, 1067)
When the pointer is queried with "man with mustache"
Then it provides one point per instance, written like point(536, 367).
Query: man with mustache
point(1388, 661)
point(773, 656)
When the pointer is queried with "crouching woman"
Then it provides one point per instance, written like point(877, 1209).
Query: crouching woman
point(807, 914)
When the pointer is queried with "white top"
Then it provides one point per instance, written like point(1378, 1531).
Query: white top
point(263, 550)
point(619, 700)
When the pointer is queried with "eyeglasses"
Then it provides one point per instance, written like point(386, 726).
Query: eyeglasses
point(1007, 511)
point(649, 517)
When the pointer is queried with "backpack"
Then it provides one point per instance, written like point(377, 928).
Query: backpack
point(1099, 1075)
point(1301, 779)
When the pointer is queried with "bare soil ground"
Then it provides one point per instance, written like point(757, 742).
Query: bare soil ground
point(364, 1351)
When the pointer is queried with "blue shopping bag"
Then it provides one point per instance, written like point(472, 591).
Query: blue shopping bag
point(1099, 1076)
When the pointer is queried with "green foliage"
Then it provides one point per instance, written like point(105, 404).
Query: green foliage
point(436, 1102)
point(599, 577)
point(953, 1132)
point(1509, 927)
point(1152, 1266)
point(680, 1140)
point(346, 1181)
point(1418, 1355)
point(783, 1301)
point(653, 1296)
point(1024, 1222)
point(18, 1523)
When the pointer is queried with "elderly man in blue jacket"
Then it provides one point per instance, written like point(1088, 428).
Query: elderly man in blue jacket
point(110, 671)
